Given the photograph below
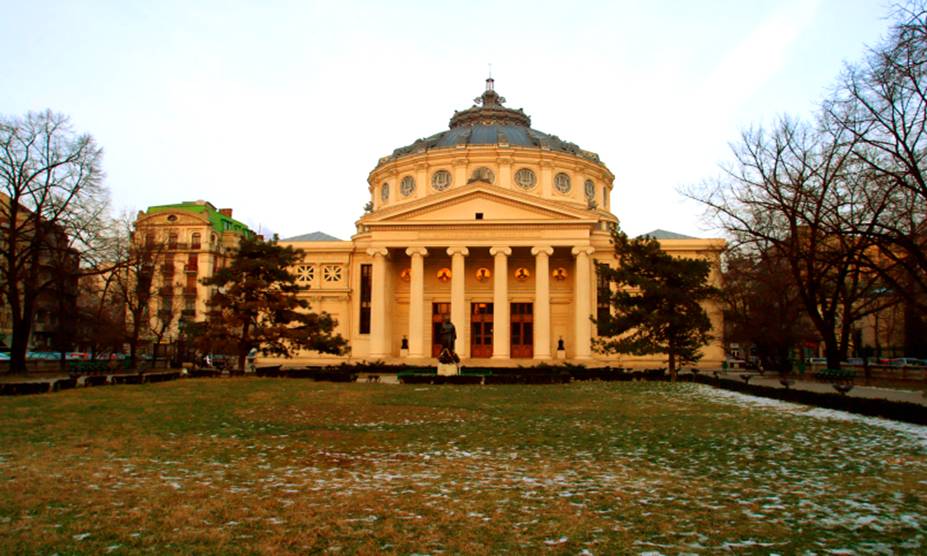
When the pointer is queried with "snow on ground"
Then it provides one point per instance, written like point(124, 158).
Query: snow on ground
point(918, 432)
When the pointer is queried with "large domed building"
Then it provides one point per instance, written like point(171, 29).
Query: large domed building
point(491, 223)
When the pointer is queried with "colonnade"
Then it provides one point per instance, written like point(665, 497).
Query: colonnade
point(582, 302)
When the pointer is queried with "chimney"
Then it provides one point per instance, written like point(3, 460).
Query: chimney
point(226, 212)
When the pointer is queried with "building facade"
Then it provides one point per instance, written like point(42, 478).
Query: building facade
point(186, 243)
point(492, 224)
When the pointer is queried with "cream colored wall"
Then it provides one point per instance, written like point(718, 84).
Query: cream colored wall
point(503, 162)
point(214, 251)
point(324, 292)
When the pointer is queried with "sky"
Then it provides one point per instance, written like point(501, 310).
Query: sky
point(280, 109)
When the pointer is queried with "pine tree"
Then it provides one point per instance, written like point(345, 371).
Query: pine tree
point(655, 304)
point(256, 306)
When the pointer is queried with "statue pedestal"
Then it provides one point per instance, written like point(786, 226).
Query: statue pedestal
point(447, 369)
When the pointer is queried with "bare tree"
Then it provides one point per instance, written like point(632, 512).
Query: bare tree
point(882, 104)
point(101, 313)
point(53, 202)
point(145, 284)
point(762, 308)
point(794, 193)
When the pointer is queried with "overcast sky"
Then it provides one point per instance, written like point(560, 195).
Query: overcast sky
point(279, 109)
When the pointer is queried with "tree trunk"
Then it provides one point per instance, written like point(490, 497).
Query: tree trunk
point(18, 350)
point(672, 364)
point(243, 348)
point(832, 352)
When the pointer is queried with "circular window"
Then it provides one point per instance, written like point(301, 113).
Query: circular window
point(590, 189)
point(525, 178)
point(562, 182)
point(384, 192)
point(407, 186)
point(483, 174)
point(441, 180)
point(172, 218)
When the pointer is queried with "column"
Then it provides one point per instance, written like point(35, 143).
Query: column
point(501, 342)
point(378, 341)
point(504, 175)
point(422, 185)
point(542, 301)
point(458, 301)
point(583, 297)
point(460, 172)
point(546, 178)
point(417, 302)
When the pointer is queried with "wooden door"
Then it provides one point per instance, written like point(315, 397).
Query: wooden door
point(522, 330)
point(438, 312)
point(481, 330)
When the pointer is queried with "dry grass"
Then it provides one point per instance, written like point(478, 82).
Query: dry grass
point(276, 466)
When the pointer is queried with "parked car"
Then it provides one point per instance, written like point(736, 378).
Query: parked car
point(907, 362)
point(817, 360)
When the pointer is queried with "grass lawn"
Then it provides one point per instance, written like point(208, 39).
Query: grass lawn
point(276, 466)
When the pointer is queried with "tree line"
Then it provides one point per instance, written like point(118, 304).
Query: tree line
point(827, 216)
point(71, 270)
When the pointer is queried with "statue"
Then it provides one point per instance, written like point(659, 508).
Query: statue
point(447, 335)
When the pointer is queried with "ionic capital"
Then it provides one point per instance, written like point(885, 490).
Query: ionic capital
point(507, 251)
point(378, 251)
point(458, 251)
point(584, 250)
point(545, 249)
point(420, 251)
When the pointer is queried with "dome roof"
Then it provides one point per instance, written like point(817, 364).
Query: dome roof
point(488, 122)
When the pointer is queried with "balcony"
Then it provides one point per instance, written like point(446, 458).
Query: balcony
point(188, 313)
point(190, 291)
point(191, 268)
point(195, 245)
point(167, 269)
point(166, 291)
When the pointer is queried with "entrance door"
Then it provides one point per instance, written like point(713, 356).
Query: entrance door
point(522, 330)
point(438, 312)
point(481, 330)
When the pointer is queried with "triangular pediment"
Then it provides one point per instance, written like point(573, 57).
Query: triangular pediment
point(465, 204)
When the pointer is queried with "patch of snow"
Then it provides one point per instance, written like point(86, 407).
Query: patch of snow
point(918, 432)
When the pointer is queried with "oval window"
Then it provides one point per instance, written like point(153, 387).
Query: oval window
point(525, 178)
point(407, 186)
point(441, 180)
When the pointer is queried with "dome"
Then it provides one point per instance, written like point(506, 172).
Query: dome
point(488, 122)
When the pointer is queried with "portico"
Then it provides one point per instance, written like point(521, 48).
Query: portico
point(480, 287)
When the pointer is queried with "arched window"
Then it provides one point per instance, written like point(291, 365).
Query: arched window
point(195, 240)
